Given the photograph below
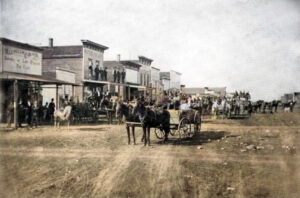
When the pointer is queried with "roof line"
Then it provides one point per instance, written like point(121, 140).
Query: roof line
point(19, 43)
point(88, 42)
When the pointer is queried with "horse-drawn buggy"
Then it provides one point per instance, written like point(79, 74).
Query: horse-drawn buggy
point(184, 123)
point(176, 122)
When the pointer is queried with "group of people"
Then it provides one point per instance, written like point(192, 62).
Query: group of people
point(119, 76)
point(98, 73)
point(31, 112)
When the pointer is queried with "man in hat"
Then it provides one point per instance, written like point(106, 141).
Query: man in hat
point(123, 76)
point(105, 74)
point(97, 71)
point(118, 76)
point(101, 73)
point(115, 74)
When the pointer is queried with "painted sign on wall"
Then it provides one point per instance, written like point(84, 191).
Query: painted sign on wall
point(22, 61)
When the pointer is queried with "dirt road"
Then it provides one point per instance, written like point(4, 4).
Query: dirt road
point(95, 161)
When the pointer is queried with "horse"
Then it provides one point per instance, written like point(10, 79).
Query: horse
point(152, 119)
point(126, 110)
point(64, 115)
point(288, 106)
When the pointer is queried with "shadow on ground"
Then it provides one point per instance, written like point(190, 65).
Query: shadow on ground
point(199, 139)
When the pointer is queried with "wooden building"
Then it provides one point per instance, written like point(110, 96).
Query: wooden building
point(20, 76)
point(78, 64)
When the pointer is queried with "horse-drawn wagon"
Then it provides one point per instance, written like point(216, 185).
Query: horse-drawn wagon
point(84, 112)
point(184, 123)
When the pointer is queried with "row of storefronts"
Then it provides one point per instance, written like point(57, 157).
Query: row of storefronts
point(77, 72)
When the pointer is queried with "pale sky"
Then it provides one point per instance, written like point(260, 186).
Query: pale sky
point(251, 45)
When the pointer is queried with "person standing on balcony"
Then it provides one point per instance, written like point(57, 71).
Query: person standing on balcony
point(91, 68)
point(123, 75)
point(115, 74)
point(97, 71)
point(105, 74)
point(101, 74)
point(118, 76)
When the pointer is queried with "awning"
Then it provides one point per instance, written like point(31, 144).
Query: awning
point(137, 86)
point(96, 82)
point(27, 77)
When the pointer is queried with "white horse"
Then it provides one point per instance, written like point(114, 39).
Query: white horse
point(60, 116)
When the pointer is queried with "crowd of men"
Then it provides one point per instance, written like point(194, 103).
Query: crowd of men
point(31, 112)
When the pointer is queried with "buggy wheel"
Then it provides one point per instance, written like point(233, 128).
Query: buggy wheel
point(183, 128)
point(160, 134)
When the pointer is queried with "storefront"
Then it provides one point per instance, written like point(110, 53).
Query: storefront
point(20, 77)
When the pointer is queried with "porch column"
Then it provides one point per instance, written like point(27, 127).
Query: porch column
point(108, 87)
point(73, 93)
point(128, 95)
point(16, 104)
point(38, 92)
point(57, 98)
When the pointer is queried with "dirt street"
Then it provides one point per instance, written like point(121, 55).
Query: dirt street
point(229, 158)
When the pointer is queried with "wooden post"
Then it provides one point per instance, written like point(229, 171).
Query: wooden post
point(57, 98)
point(16, 104)
point(108, 87)
point(82, 99)
point(128, 96)
point(38, 92)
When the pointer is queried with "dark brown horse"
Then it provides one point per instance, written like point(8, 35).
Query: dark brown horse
point(152, 119)
point(148, 119)
point(126, 110)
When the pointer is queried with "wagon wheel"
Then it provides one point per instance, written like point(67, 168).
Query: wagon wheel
point(183, 127)
point(160, 134)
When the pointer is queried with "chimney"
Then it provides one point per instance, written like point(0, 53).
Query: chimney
point(118, 57)
point(50, 42)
